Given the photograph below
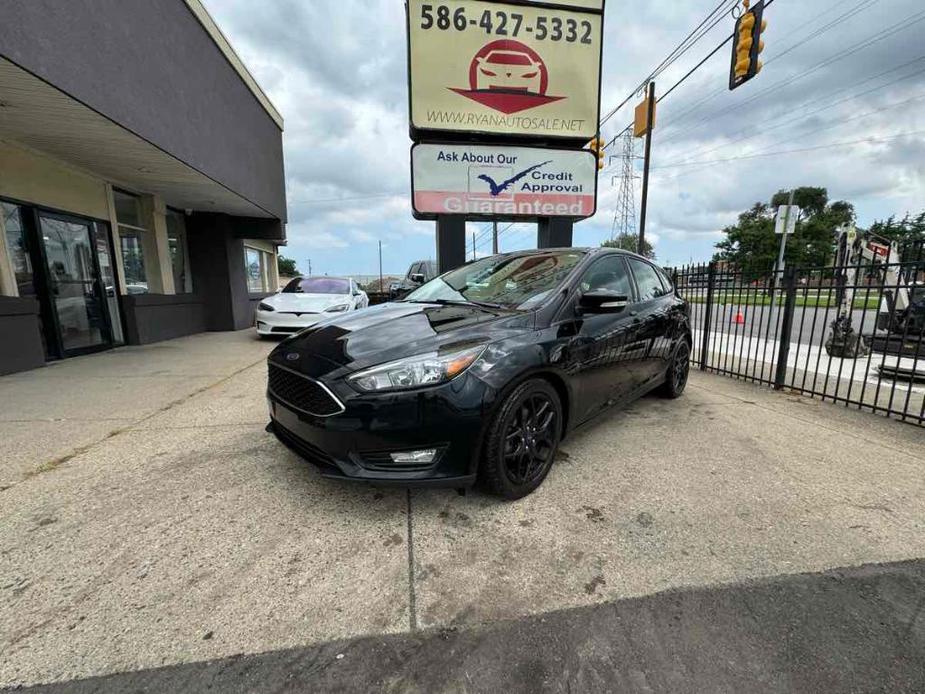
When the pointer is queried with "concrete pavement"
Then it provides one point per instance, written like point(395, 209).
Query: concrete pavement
point(850, 630)
point(172, 530)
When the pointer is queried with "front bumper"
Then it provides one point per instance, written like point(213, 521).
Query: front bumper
point(356, 443)
point(278, 323)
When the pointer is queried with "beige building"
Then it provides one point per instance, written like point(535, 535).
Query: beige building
point(141, 182)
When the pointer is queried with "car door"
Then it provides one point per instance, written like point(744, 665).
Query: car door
point(653, 309)
point(600, 346)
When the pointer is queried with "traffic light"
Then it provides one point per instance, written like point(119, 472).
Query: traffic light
point(597, 146)
point(747, 45)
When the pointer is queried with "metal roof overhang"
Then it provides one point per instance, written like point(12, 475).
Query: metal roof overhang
point(36, 114)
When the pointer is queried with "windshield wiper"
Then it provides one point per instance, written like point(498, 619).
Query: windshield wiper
point(462, 302)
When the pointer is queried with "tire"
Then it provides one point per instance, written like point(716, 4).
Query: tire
point(522, 440)
point(678, 373)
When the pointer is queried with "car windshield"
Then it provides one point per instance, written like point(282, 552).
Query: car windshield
point(318, 285)
point(508, 281)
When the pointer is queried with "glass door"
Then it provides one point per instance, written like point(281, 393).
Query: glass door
point(74, 286)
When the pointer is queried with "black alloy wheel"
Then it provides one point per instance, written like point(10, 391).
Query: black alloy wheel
point(523, 440)
point(678, 372)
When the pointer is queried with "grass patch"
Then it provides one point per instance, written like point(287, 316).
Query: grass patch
point(819, 301)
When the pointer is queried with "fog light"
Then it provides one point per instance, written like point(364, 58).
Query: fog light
point(425, 456)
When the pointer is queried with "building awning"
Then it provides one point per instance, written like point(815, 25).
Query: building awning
point(35, 114)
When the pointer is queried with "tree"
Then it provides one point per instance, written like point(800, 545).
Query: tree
point(286, 266)
point(629, 242)
point(752, 245)
point(907, 230)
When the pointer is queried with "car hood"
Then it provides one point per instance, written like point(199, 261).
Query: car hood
point(305, 303)
point(392, 331)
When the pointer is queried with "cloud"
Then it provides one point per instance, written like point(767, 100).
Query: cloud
point(834, 73)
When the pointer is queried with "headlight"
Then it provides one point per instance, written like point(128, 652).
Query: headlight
point(415, 372)
point(265, 307)
point(337, 309)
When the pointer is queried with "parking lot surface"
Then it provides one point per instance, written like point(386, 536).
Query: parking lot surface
point(148, 523)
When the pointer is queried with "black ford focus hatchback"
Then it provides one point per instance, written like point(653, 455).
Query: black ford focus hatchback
point(479, 374)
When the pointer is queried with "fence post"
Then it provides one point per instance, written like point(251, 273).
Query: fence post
point(708, 319)
point(786, 328)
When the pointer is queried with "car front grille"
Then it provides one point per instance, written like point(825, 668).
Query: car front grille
point(302, 393)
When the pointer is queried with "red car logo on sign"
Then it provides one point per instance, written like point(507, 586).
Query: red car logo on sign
point(508, 76)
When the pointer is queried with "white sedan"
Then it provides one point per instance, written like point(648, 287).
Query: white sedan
point(306, 301)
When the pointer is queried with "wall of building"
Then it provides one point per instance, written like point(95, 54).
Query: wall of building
point(155, 317)
point(216, 247)
point(161, 76)
point(21, 346)
point(29, 176)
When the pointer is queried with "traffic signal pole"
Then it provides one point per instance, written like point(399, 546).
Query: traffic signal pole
point(645, 172)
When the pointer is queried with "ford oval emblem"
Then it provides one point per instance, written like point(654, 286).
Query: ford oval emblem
point(293, 356)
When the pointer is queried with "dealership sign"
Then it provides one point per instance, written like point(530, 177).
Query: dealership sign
point(515, 70)
point(502, 182)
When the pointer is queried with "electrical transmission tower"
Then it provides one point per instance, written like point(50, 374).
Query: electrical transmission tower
point(624, 218)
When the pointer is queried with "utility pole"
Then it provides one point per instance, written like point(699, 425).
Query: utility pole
point(473, 245)
point(309, 266)
point(650, 105)
point(494, 238)
point(380, 267)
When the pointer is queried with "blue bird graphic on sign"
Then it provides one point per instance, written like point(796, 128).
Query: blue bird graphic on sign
point(498, 188)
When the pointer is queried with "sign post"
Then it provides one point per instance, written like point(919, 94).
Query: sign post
point(784, 225)
point(649, 127)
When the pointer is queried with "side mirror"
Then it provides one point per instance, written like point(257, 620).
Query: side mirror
point(417, 278)
point(603, 301)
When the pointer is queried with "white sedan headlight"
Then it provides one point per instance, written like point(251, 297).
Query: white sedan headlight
point(340, 308)
point(415, 372)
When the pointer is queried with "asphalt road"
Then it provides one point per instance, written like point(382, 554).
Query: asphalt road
point(851, 630)
point(810, 325)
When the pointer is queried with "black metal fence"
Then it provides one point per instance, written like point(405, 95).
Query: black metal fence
point(852, 334)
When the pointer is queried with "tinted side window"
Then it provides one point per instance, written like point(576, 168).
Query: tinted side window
point(609, 274)
point(647, 280)
point(666, 280)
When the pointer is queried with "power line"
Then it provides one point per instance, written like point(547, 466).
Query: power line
point(712, 95)
point(675, 54)
point(750, 133)
point(681, 51)
point(867, 140)
point(840, 19)
point(907, 22)
point(683, 79)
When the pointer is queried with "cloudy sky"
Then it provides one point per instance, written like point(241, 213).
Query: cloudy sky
point(840, 104)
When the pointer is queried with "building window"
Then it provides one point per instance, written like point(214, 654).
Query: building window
point(257, 267)
point(132, 242)
point(16, 247)
point(179, 258)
